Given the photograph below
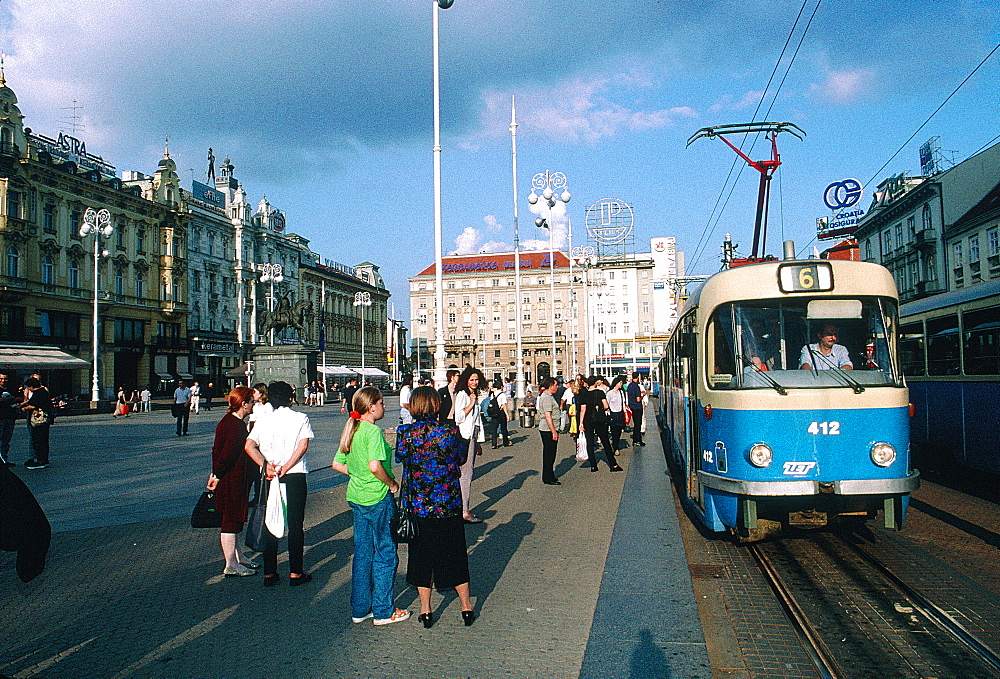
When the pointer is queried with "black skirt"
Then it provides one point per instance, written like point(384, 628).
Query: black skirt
point(438, 557)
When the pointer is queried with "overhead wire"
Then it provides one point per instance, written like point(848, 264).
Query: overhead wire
point(708, 230)
point(924, 124)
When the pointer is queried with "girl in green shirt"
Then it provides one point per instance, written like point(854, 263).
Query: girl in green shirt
point(365, 456)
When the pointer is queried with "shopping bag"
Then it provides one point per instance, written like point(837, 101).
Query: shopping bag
point(276, 516)
point(256, 527)
point(205, 515)
point(581, 448)
point(628, 416)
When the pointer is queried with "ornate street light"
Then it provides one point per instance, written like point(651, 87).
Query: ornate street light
point(97, 222)
point(362, 299)
point(440, 355)
point(271, 273)
point(585, 257)
point(549, 184)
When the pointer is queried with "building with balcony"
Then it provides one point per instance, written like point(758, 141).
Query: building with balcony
point(47, 277)
point(935, 233)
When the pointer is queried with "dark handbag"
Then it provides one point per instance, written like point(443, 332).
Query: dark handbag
point(403, 524)
point(256, 526)
point(39, 417)
point(175, 409)
point(205, 515)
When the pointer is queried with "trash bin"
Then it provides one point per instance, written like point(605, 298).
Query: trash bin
point(528, 417)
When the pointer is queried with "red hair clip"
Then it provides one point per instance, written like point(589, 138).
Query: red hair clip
point(355, 415)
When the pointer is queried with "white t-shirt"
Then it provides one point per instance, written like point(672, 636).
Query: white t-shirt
point(838, 357)
point(404, 400)
point(277, 434)
point(260, 410)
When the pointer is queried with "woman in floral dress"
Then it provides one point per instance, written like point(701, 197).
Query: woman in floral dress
point(432, 454)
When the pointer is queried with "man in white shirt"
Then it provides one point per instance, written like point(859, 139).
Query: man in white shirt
point(195, 398)
point(182, 407)
point(404, 400)
point(282, 437)
point(826, 354)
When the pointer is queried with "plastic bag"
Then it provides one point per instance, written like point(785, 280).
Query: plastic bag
point(277, 509)
point(581, 448)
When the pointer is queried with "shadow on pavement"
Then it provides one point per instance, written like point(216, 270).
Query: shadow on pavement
point(489, 560)
point(647, 660)
point(497, 493)
point(487, 467)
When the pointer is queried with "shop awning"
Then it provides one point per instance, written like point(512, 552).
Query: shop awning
point(238, 371)
point(338, 370)
point(26, 357)
point(370, 372)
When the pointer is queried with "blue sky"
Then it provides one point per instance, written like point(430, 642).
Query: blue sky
point(326, 107)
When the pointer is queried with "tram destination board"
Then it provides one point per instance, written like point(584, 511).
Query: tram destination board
point(811, 277)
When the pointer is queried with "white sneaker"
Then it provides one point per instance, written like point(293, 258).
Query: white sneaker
point(363, 618)
point(399, 615)
point(240, 571)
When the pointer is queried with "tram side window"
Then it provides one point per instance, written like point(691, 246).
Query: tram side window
point(911, 348)
point(982, 341)
point(942, 346)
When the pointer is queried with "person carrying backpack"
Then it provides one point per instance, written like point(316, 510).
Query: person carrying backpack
point(496, 410)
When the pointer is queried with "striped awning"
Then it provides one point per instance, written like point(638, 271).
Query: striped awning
point(27, 357)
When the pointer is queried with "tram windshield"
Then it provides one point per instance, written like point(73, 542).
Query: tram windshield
point(804, 343)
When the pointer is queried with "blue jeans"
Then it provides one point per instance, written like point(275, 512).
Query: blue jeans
point(373, 572)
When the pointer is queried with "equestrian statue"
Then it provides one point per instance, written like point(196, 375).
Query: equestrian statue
point(286, 315)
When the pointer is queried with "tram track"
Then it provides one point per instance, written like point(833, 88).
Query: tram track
point(855, 617)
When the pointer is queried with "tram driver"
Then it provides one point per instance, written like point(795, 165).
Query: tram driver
point(825, 354)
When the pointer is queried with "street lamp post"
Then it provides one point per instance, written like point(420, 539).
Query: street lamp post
point(549, 184)
point(271, 273)
point(440, 356)
point(362, 299)
point(585, 257)
point(97, 222)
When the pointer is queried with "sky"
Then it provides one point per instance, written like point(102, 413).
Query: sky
point(326, 108)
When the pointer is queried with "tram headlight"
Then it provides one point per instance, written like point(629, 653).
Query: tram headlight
point(761, 455)
point(883, 454)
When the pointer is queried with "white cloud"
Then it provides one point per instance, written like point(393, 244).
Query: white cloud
point(729, 103)
point(844, 87)
point(492, 223)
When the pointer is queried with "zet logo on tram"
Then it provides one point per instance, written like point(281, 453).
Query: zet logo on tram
point(798, 468)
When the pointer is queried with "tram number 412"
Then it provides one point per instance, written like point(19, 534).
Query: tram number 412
point(824, 428)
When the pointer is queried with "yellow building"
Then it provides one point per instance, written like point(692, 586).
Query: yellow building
point(47, 272)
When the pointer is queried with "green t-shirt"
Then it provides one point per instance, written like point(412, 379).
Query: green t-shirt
point(368, 444)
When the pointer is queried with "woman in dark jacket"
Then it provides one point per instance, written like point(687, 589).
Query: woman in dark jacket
point(432, 454)
point(38, 399)
point(594, 422)
point(229, 479)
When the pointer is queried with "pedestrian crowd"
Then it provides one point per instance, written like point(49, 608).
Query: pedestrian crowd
point(31, 402)
point(261, 447)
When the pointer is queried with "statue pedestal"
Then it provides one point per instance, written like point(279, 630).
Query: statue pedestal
point(288, 363)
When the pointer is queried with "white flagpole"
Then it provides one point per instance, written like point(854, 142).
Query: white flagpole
point(322, 306)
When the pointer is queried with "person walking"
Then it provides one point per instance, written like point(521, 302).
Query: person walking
point(497, 412)
point(594, 421)
point(633, 400)
point(404, 400)
point(145, 399)
point(182, 407)
point(282, 438)
point(366, 458)
point(38, 405)
point(209, 393)
point(616, 406)
point(548, 429)
point(195, 398)
point(432, 454)
point(121, 403)
point(319, 393)
point(9, 414)
point(228, 479)
point(468, 417)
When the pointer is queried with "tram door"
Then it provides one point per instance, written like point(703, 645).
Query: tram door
point(689, 386)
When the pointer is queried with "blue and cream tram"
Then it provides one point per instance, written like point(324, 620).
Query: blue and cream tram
point(950, 350)
point(766, 427)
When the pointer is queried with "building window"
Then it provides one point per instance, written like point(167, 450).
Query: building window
point(14, 204)
point(899, 234)
point(624, 307)
point(13, 262)
point(911, 227)
point(48, 270)
point(451, 285)
point(925, 217)
point(451, 317)
point(481, 299)
point(74, 275)
point(120, 237)
point(527, 316)
point(495, 282)
point(625, 328)
point(974, 249)
point(600, 328)
point(959, 260)
point(512, 336)
point(49, 218)
point(993, 241)
point(140, 240)
point(614, 329)
point(645, 307)
point(628, 348)
point(886, 242)
point(59, 324)
point(868, 250)
point(119, 282)
point(611, 275)
point(140, 286)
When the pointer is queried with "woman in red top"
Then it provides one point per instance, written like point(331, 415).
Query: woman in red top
point(229, 479)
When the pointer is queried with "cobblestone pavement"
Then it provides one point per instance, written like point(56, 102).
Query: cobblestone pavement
point(146, 599)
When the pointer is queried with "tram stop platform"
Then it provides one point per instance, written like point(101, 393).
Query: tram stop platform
point(587, 579)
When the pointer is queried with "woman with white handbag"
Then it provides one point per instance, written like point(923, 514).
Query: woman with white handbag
point(468, 417)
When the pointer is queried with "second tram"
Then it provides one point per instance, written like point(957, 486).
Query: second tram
point(783, 399)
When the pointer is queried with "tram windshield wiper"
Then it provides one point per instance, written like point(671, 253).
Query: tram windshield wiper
point(771, 381)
